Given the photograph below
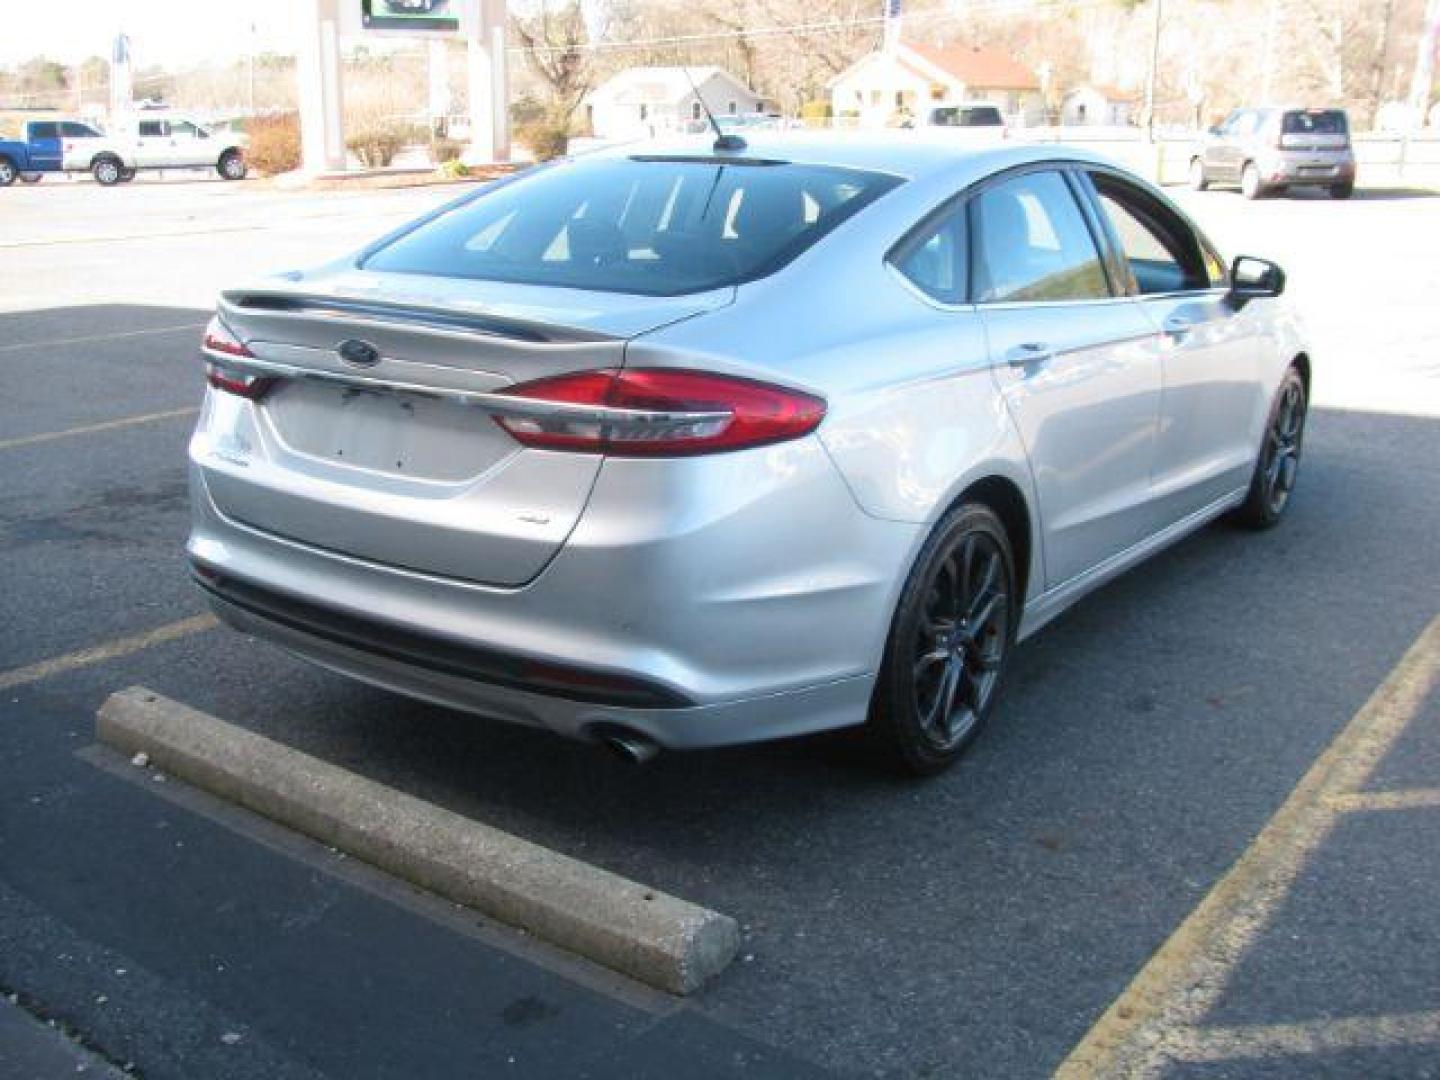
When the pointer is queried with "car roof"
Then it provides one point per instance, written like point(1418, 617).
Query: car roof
point(911, 154)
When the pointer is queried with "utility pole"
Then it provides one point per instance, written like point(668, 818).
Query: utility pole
point(251, 56)
point(1151, 74)
point(1267, 57)
point(1424, 76)
point(1382, 52)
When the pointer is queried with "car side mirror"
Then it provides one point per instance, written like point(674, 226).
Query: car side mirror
point(1253, 279)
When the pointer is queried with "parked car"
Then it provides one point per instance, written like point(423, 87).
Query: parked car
point(1268, 150)
point(689, 446)
point(151, 141)
point(980, 117)
point(42, 149)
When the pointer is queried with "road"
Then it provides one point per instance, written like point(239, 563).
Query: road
point(978, 924)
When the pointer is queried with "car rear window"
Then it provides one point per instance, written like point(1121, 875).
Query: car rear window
point(967, 116)
point(1315, 122)
point(656, 226)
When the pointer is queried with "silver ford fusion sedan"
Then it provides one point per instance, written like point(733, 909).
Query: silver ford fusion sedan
point(701, 444)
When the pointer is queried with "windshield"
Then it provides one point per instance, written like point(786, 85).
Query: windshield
point(1316, 122)
point(657, 226)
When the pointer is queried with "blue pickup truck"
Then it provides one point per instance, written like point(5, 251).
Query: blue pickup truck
point(41, 151)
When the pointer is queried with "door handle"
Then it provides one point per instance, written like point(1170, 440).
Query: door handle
point(1177, 327)
point(1030, 354)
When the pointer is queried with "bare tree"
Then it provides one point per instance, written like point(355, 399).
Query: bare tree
point(556, 46)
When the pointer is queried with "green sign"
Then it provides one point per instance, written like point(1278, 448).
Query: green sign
point(410, 15)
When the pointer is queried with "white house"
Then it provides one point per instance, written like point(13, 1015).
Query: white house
point(906, 77)
point(1093, 104)
point(645, 101)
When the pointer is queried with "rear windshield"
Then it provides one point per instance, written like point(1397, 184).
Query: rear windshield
point(1316, 122)
point(657, 226)
point(967, 116)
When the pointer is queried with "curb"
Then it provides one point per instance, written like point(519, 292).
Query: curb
point(658, 939)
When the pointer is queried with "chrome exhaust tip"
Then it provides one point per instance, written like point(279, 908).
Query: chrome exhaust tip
point(630, 746)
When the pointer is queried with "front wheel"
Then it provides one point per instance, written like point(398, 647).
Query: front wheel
point(8, 172)
point(1278, 463)
point(232, 165)
point(949, 644)
point(1198, 179)
point(107, 172)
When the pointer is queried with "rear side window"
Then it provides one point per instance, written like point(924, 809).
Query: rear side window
point(1315, 122)
point(1032, 243)
point(655, 226)
point(152, 129)
point(934, 259)
point(44, 129)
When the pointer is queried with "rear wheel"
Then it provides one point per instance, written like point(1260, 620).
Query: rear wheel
point(1198, 180)
point(232, 165)
point(8, 172)
point(107, 171)
point(1279, 461)
point(1342, 191)
point(1250, 185)
point(949, 644)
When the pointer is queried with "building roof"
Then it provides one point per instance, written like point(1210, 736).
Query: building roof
point(660, 85)
point(976, 65)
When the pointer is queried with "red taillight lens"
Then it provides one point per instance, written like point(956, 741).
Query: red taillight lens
point(657, 412)
point(218, 343)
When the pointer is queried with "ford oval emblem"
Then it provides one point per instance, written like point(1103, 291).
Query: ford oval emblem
point(358, 353)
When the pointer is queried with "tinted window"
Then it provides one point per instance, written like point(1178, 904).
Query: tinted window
point(1033, 243)
point(1315, 122)
point(44, 129)
point(1160, 248)
point(152, 129)
point(934, 259)
point(967, 116)
point(78, 131)
point(656, 226)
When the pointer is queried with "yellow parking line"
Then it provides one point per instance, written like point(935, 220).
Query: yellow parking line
point(52, 342)
point(1314, 1037)
point(1408, 799)
point(111, 650)
point(90, 429)
point(1184, 979)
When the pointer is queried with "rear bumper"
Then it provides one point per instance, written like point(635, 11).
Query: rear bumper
point(701, 602)
point(1300, 167)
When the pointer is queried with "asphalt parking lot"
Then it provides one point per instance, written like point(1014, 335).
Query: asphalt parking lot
point(1150, 865)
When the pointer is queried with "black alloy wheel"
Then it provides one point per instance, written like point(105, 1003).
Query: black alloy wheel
point(949, 643)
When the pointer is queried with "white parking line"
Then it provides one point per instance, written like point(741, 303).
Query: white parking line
point(110, 650)
point(90, 429)
point(1181, 983)
point(52, 342)
point(1313, 1037)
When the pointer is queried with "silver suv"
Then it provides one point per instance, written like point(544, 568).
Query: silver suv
point(1268, 150)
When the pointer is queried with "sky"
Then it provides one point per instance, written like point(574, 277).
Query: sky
point(175, 33)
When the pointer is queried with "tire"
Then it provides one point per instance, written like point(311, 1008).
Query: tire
point(1278, 463)
point(1250, 185)
point(107, 171)
point(1198, 179)
point(941, 675)
point(1342, 191)
point(8, 172)
point(231, 165)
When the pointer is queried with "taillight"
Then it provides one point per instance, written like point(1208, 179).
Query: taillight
point(655, 412)
point(220, 342)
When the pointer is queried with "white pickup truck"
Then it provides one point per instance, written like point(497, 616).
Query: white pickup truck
point(156, 141)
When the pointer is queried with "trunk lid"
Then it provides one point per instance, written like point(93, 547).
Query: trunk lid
point(382, 449)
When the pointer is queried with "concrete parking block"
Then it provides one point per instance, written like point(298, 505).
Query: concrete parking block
point(658, 939)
